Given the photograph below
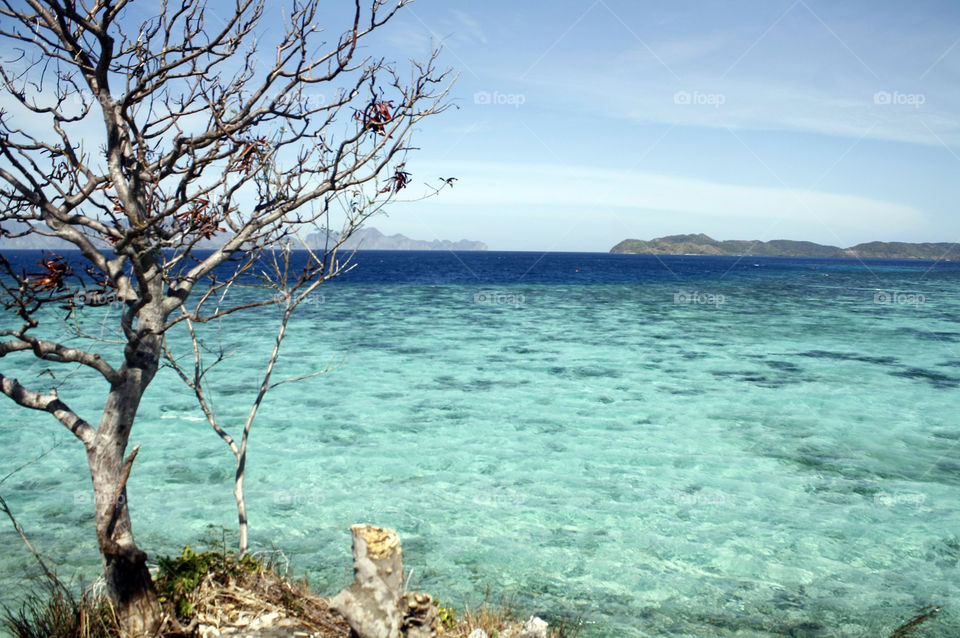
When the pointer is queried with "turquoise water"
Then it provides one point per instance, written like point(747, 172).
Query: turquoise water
point(779, 456)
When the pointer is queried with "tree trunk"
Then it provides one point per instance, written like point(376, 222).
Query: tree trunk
point(128, 580)
point(241, 508)
point(371, 604)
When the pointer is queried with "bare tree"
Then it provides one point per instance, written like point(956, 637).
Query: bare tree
point(289, 288)
point(289, 292)
point(138, 140)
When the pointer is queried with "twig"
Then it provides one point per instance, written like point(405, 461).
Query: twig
point(26, 541)
point(30, 462)
point(6, 510)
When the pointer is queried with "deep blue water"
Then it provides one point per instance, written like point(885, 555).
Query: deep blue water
point(491, 267)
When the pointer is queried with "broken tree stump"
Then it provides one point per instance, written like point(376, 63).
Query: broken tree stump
point(374, 605)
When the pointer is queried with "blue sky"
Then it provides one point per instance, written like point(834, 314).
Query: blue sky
point(581, 123)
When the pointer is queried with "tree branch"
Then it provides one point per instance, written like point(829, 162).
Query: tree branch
point(48, 403)
point(52, 351)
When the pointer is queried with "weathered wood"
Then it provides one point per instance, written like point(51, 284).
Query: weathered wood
point(125, 571)
point(374, 605)
point(371, 603)
point(127, 578)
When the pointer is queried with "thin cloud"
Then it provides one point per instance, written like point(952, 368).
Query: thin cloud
point(470, 27)
point(582, 187)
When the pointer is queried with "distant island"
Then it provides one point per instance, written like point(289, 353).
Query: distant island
point(363, 239)
point(373, 239)
point(703, 245)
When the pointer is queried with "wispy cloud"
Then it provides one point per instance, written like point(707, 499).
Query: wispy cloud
point(799, 70)
point(589, 189)
point(470, 27)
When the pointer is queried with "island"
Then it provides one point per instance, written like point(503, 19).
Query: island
point(373, 239)
point(361, 239)
point(701, 244)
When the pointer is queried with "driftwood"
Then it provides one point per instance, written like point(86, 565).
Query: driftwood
point(374, 605)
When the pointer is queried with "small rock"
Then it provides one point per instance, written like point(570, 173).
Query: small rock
point(535, 628)
point(478, 633)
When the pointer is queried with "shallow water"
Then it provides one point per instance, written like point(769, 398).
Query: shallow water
point(663, 446)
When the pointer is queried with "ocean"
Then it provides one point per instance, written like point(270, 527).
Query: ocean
point(656, 445)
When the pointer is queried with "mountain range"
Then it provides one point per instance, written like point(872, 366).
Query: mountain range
point(364, 239)
point(703, 245)
point(373, 239)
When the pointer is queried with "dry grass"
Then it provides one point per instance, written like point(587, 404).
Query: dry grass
point(495, 620)
point(50, 609)
point(491, 620)
point(256, 605)
point(215, 593)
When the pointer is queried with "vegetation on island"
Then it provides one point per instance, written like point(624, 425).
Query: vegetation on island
point(703, 245)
